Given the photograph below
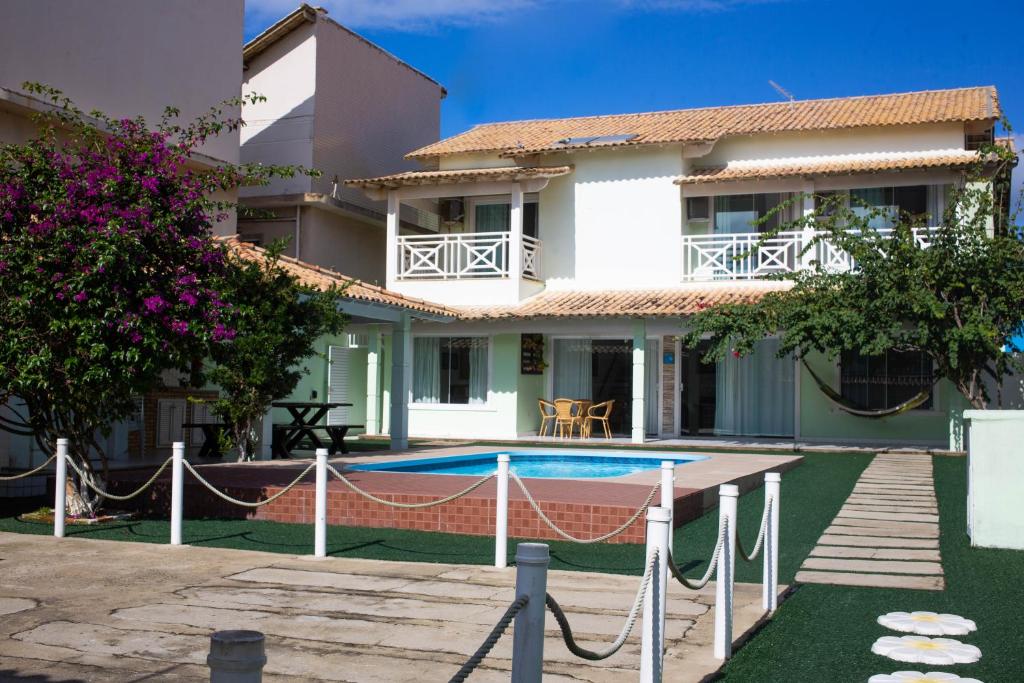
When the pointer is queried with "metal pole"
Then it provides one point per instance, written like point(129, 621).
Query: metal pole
point(528, 635)
point(652, 639)
point(727, 495)
point(320, 528)
point(60, 492)
point(236, 657)
point(501, 514)
point(772, 491)
point(177, 489)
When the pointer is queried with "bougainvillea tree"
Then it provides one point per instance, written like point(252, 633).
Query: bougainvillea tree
point(109, 274)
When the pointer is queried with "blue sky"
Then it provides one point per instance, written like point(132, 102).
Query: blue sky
point(538, 58)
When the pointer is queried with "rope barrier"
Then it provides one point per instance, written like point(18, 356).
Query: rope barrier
point(220, 494)
point(723, 532)
point(111, 496)
point(760, 533)
point(492, 638)
point(634, 612)
point(22, 475)
point(554, 527)
point(408, 506)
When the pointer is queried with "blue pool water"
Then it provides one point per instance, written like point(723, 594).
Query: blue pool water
point(536, 464)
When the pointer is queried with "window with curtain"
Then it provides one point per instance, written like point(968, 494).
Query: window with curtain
point(885, 381)
point(450, 370)
point(737, 213)
point(890, 203)
point(754, 394)
point(497, 217)
point(573, 368)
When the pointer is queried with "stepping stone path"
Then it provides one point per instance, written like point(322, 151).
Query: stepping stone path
point(887, 533)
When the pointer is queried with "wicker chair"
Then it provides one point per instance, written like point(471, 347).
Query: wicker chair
point(547, 414)
point(598, 413)
point(564, 416)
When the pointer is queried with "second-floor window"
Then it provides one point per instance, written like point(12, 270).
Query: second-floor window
point(496, 216)
point(738, 213)
point(449, 370)
point(885, 205)
point(881, 382)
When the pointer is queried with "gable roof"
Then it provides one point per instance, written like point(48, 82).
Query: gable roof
point(466, 175)
point(517, 138)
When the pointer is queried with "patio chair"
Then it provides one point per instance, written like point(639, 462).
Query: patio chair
point(547, 414)
point(564, 416)
point(598, 413)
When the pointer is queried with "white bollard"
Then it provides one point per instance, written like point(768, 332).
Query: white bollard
point(320, 523)
point(528, 635)
point(60, 492)
point(727, 495)
point(236, 657)
point(177, 489)
point(668, 498)
point(772, 491)
point(652, 638)
point(501, 514)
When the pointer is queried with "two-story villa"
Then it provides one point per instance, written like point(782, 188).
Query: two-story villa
point(576, 248)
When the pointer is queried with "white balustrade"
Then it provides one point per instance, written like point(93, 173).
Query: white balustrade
point(751, 255)
point(463, 256)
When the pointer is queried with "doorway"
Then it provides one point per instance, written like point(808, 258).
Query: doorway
point(697, 391)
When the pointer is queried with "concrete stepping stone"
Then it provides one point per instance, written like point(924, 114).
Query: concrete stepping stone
point(871, 553)
point(874, 566)
point(877, 541)
point(892, 507)
point(889, 515)
point(884, 524)
point(932, 583)
point(862, 501)
point(883, 531)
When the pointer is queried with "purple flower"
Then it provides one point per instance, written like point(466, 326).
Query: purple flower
point(135, 337)
point(3, 266)
point(222, 333)
point(189, 298)
point(80, 297)
point(179, 327)
point(154, 304)
point(151, 184)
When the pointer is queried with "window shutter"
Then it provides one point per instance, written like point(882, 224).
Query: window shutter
point(339, 360)
point(201, 414)
point(170, 413)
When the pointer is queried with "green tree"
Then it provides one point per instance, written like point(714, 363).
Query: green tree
point(956, 294)
point(276, 320)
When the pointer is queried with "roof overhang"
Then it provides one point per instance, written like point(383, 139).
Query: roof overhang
point(459, 182)
point(305, 14)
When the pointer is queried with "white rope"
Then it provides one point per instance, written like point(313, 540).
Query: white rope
point(760, 532)
point(408, 506)
point(554, 527)
point(22, 475)
point(111, 496)
point(220, 494)
point(723, 532)
point(634, 612)
point(492, 638)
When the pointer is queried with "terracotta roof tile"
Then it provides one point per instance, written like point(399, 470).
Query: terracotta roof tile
point(516, 138)
point(647, 303)
point(836, 166)
point(323, 278)
point(464, 175)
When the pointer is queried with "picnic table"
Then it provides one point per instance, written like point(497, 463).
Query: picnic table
point(211, 437)
point(306, 419)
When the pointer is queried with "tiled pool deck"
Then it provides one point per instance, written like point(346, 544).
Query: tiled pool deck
point(582, 507)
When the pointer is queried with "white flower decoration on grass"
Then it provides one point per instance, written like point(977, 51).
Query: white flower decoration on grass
point(927, 623)
point(940, 651)
point(918, 677)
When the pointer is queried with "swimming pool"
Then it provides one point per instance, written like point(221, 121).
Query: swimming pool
point(536, 464)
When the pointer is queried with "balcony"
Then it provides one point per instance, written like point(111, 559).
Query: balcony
point(466, 256)
point(745, 256)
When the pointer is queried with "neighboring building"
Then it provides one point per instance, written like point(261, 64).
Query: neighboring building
point(594, 238)
point(337, 103)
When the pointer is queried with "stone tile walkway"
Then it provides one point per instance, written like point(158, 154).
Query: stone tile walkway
point(887, 533)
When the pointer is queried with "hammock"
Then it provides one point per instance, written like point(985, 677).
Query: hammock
point(844, 405)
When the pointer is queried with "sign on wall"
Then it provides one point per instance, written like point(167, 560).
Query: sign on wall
point(531, 354)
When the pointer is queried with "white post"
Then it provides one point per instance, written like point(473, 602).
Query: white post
point(639, 377)
point(401, 381)
point(668, 498)
point(528, 632)
point(772, 489)
point(236, 657)
point(373, 382)
point(515, 243)
point(391, 241)
point(501, 514)
point(652, 638)
point(177, 489)
point(320, 524)
point(60, 492)
point(808, 231)
point(727, 495)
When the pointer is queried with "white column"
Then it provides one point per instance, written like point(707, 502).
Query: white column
point(639, 378)
point(501, 513)
point(668, 498)
point(652, 637)
point(808, 211)
point(60, 492)
point(515, 245)
point(373, 382)
point(727, 495)
point(401, 381)
point(391, 255)
point(528, 632)
point(772, 490)
point(320, 511)
point(177, 489)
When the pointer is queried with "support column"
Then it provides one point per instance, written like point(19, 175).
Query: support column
point(515, 244)
point(401, 381)
point(266, 447)
point(639, 379)
point(808, 211)
point(373, 382)
point(391, 253)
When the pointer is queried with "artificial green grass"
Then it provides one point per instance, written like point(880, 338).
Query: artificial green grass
point(825, 633)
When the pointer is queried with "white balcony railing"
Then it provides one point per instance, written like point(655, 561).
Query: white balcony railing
point(743, 256)
point(467, 256)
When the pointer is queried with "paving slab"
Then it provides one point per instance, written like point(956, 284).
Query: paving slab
point(877, 541)
point(882, 531)
point(928, 583)
point(873, 553)
point(887, 515)
point(873, 566)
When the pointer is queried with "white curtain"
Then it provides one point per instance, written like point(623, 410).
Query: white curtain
point(936, 204)
point(574, 377)
point(426, 370)
point(478, 371)
point(754, 394)
point(652, 365)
